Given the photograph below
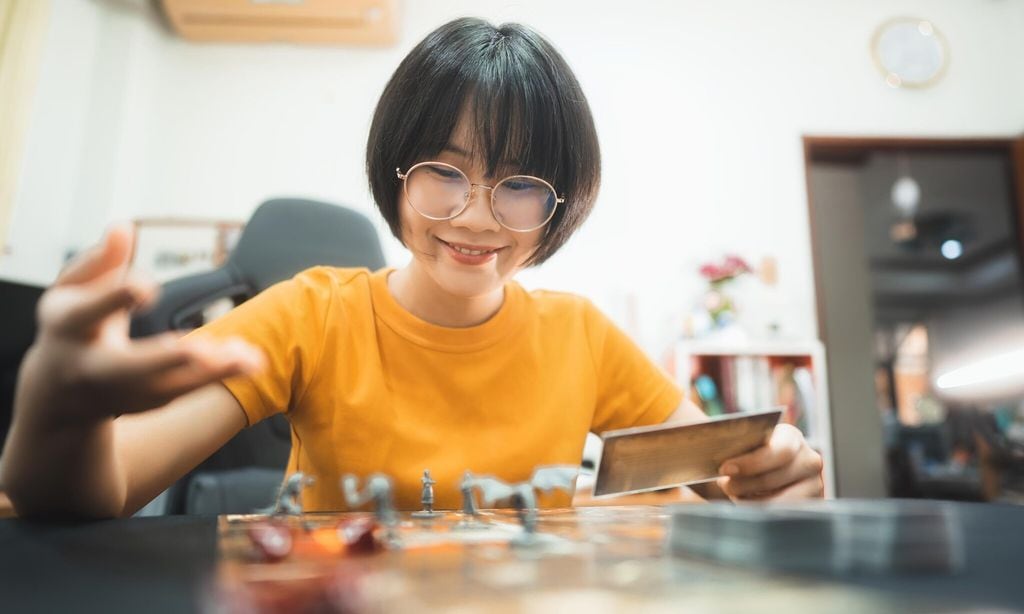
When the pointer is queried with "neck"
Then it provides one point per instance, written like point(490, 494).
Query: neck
point(417, 292)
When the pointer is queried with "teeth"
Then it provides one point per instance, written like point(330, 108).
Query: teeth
point(469, 252)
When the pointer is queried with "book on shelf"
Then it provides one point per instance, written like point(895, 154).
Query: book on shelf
point(804, 381)
point(742, 383)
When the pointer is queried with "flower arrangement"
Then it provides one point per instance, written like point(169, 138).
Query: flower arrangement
point(731, 267)
point(720, 274)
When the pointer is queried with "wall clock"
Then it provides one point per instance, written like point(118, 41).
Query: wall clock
point(910, 52)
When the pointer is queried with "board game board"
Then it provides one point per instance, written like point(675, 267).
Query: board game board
point(607, 559)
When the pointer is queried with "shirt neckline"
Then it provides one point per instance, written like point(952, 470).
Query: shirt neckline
point(443, 338)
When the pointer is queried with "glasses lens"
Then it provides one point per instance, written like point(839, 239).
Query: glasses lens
point(437, 191)
point(523, 203)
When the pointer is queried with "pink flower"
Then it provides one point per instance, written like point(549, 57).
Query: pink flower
point(710, 271)
point(730, 267)
point(736, 265)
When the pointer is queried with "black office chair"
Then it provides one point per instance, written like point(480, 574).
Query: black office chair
point(17, 331)
point(283, 237)
point(924, 456)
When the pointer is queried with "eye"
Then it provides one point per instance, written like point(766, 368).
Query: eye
point(443, 172)
point(519, 184)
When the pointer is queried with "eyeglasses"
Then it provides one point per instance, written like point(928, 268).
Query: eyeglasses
point(440, 191)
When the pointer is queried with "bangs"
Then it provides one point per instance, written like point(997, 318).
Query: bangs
point(516, 123)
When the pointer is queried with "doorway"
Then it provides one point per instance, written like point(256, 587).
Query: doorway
point(919, 272)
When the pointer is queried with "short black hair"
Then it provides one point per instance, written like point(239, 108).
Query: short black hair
point(526, 105)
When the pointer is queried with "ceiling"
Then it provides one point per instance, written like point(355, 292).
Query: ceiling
point(965, 196)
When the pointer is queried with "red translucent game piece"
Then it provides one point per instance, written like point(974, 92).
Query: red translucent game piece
point(274, 542)
point(358, 535)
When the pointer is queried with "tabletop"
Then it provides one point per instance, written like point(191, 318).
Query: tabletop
point(594, 559)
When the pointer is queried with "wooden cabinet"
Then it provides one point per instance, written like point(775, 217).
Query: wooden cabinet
point(323, 22)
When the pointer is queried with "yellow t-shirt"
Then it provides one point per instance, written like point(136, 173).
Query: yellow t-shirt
point(368, 387)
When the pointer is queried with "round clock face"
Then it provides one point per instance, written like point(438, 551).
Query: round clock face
point(910, 52)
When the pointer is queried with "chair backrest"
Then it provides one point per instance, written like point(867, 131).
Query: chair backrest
point(283, 237)
point(286, 235)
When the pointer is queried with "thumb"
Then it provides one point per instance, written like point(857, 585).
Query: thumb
point(724, 483)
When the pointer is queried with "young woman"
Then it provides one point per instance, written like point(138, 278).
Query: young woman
point(483, 159)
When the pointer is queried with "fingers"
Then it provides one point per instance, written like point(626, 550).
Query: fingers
point(152, 372)
point(209, 364)
point(91, 309)
point(785, 442)
point(93, 287)
point(77, 311)
point(805, 466)
point(112, 254)
point(236, 352)
point(812, 488)
point(178, 361)
point(141, 359)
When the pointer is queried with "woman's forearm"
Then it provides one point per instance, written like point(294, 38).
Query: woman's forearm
point(68, 471)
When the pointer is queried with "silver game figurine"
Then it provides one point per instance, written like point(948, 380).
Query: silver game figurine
point(470, 513)
point(379, 490)
point(289, 496)
point(427, 498)
point(523, 496)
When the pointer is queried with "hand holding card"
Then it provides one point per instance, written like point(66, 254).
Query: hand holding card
point(650, 458)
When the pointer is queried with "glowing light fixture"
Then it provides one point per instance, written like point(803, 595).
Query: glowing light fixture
point(952, 249)
point(906, 192)
point(992, 370)
point(906, 195)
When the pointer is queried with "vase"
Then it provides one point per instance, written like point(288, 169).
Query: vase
point(719, 305)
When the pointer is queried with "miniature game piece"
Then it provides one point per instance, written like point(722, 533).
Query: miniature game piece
point(378, 489)
point(470, 514)
point(427, 498)
point(522, 495)
point(289, 497)
point(468, 502)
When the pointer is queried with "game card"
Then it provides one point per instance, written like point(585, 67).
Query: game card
point(654, 457)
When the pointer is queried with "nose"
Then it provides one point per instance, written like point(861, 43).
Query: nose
point(477, 216)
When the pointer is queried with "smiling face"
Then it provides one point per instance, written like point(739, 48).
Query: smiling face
point(505, 95)
point(470, 255)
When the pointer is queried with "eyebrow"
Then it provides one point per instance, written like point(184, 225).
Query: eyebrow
point(456, 150)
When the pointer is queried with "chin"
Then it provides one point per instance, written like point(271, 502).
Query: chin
point(465, 283)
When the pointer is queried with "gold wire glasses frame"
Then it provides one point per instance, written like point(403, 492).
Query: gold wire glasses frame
point(468, 195)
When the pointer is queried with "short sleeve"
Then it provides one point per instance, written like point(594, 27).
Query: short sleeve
point(287, 322)
point(631, 389)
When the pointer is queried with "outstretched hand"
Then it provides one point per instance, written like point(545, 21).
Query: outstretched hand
point(83, 364)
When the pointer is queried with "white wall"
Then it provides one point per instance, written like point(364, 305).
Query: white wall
point(700, 108)
point(54, 145)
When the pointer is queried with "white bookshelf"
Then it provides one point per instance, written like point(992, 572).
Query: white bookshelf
point(749, 360)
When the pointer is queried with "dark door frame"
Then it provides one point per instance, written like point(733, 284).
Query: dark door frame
point(858, 467)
